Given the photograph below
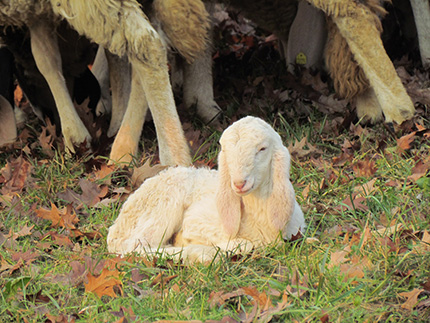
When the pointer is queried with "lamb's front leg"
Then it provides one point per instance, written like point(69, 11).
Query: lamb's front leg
point(45, 50)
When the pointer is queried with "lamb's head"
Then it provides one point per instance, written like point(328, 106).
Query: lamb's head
point(253, 160)
point(249, 147)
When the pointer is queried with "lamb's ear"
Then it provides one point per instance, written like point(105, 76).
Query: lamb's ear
point(228, 203)
point(282, 200)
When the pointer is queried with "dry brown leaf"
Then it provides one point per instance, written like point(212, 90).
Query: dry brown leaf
point(305, 192)
point(16, 175)
point(298, 149)
point(25, 231)
point(366, 188)
point(162, 280)
point(92, 193)
point(46, 142)
point(352, 270)
point(10, 268)
point(59, 318)
point(355, 203)
point(65, 217)
point(104, 283)
point(420, 169)
point(365, 168)
point(337, 258)
point(404, 142)
point(389, 230)
point(28, 257)
point(104, 172)
point(424, 244)
point(141, 173)
point(411, 298)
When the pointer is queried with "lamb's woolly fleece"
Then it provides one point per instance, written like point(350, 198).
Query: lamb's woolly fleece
point(247, 203)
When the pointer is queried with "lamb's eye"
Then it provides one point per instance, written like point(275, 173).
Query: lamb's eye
point(262, 149)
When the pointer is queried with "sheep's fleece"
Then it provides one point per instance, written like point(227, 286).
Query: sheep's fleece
point(186, 212)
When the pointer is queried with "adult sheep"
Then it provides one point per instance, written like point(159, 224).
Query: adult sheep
point(248, 202)
point(123, 29)
point(355, 56)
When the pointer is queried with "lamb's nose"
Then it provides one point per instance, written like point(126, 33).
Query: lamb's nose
point(240, 184)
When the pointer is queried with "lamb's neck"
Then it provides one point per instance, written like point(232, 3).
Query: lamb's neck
point(256, 224)
point(255, 202)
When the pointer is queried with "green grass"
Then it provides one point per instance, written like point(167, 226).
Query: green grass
point(365, 287)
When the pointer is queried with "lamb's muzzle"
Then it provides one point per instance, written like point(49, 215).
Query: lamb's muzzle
point(248, 202)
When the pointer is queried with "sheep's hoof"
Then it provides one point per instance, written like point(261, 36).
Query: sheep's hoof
point(368, 107)
point(211, 115)
point(399, 112)
point(80, 138)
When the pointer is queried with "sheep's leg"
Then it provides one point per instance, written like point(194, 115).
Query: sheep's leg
point(120, 80)
point(171, 140)
point(307, 37)
point(123, 29)
point(421, 10)
point(198, 88)
point(126, 142)
point(45, 50)
point(100, 70)
point(198, 83)
point(356, 24)
point(368, 107)
point(8, 131)
point(112, 72)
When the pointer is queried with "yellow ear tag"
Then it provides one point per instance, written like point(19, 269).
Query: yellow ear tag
point(301, 59)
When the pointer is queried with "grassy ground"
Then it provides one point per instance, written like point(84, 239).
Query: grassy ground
point(364, 257)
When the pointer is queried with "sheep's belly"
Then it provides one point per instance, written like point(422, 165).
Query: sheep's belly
point(22, 12)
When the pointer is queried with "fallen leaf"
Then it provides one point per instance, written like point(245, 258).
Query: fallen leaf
point(302, 148)
point(366, 188)
point(92, 193)
point(411, 298)
point(364, 168)
point(337, 258)
point(16, 175)
point(104, 283)
point(46, 142)
point(25, 231)
point(104, 172)
point(420, 169)
point(141, 173)
point(404, 142)
point(162, 280)
point(355, 203)
point(28, 257)
point(65, 218)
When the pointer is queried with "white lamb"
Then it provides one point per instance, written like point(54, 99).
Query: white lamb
point(188, 212)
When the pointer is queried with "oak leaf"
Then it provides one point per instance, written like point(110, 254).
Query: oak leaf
point(411, 298)
point(16, 175)
point(404, 142)
point(104, 283)
point(144, 172)
point(92, 193)
point(65, 218)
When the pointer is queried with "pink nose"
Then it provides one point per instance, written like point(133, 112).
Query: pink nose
point(239, 185)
